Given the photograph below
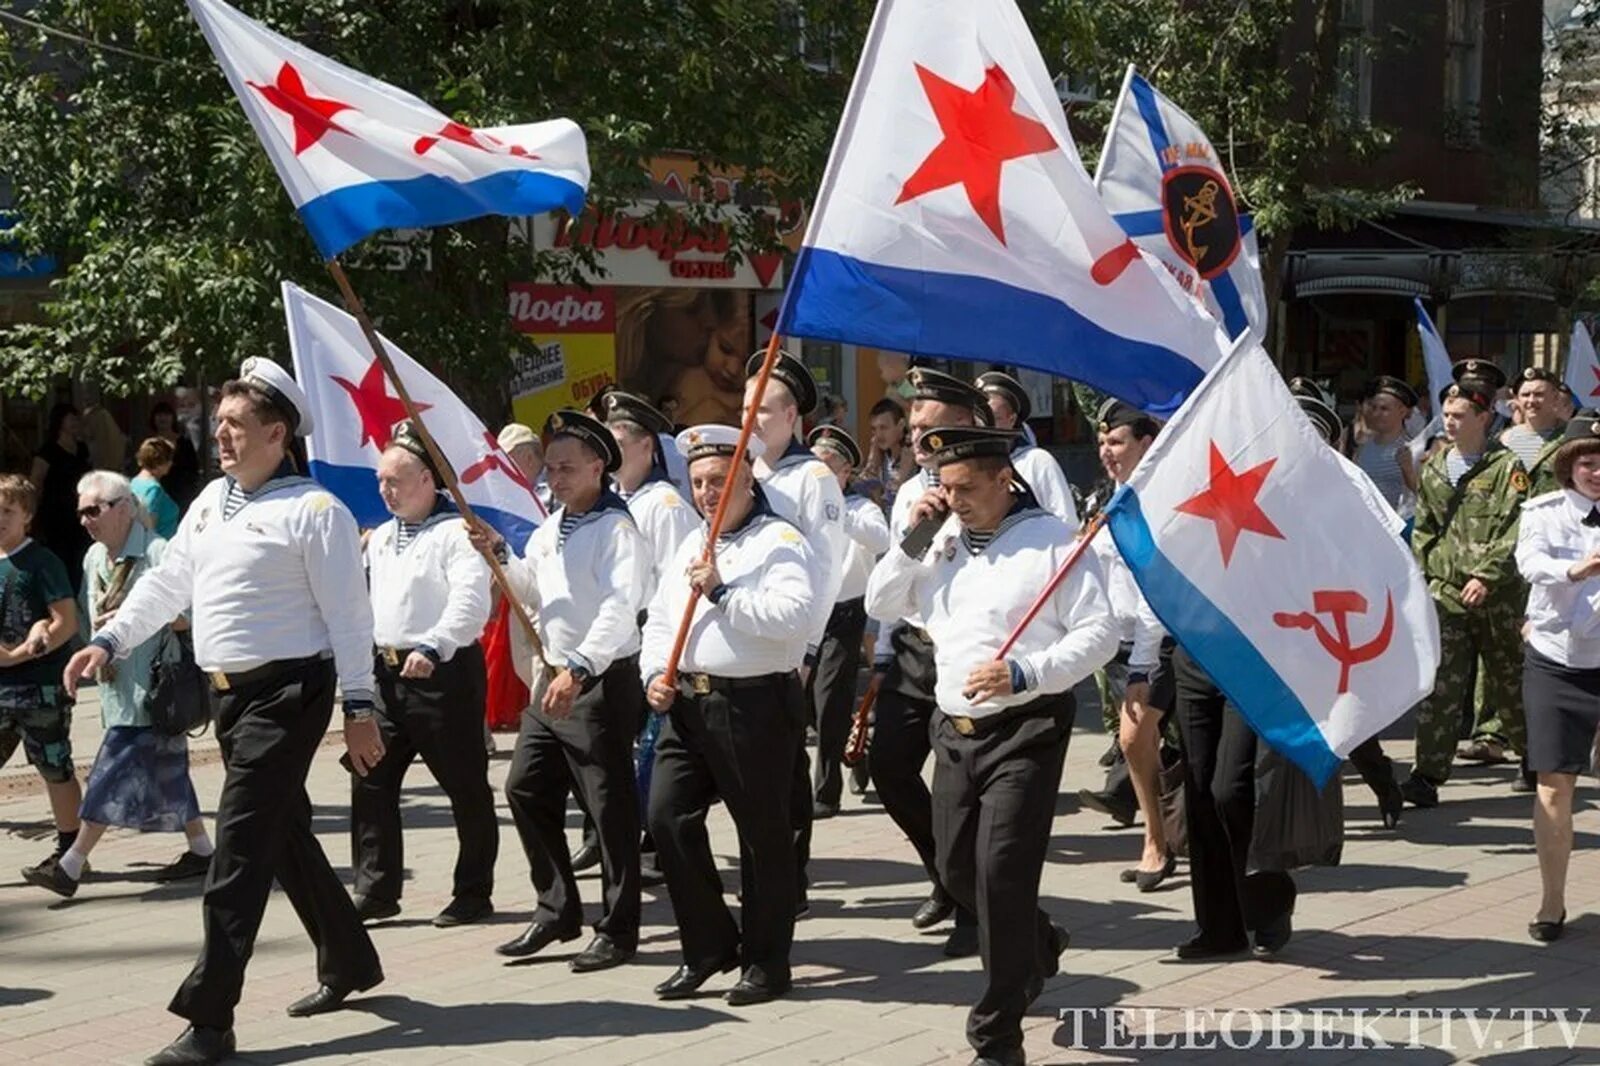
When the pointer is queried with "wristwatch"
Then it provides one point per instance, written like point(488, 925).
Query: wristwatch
point(580, 674)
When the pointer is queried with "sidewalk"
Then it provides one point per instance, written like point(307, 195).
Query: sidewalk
point(1430, 917)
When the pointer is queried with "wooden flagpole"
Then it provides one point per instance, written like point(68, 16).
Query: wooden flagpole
point(1049, 590)
point(353, 304)
point(767, 363)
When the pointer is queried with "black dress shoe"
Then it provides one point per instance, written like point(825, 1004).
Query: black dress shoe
point(686, 980)
point(1271, 939)
point(371, 909)
point(184, 867)
point(1545, 932)
point(463, 910)
point(1129, 875)
point(1420, 792)
point(601, 954)
point(858, 779)
point(587, 857)
point(962, 942)
point(1113, 753)
point(535, 939)
point(1002, 1058)
point(1150, 880)
point(1201, 948)
point(196, 1046)
point(327, 998)
point(1524, 783)
point(821, 811)
point(1120, 812)
point(748, 992)
point(933, 910)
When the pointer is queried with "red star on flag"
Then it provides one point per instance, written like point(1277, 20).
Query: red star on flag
point(1230, 502)
point(312, 115)
point(981, 132)
point(378, 410)
point(1596, 390)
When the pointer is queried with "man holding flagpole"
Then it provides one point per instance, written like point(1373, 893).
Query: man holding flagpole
point(269, 564)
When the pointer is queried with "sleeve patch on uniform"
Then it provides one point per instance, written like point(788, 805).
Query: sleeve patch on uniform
point(671, 499)
point(833, 511)
point(790, 536)
point(821, 472)
point(320, 501)
point(1519, 481)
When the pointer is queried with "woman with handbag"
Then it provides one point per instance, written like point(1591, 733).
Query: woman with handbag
point(140, 778)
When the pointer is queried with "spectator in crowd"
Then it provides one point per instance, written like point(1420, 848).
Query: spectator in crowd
point(155, 458)
point(1379, 442)
point(140, 778)
point(58, 464)
point(182, 482)
point(108, 445)
point(527, 452)
point(889, 457)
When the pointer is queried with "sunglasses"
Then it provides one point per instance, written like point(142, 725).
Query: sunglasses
point(96, 510)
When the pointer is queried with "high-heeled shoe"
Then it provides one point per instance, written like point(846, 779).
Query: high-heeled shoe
point(1545, 932)
point(1149, 881)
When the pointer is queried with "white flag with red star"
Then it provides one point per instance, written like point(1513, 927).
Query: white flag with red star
point(1278, 567)
point(355, 410)
point(1583, 368)
point(358, 155)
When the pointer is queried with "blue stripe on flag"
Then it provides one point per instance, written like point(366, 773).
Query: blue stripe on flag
point(357, 489)
point(1150, 111)
point(1213, 641)
point(341, 218)
point(1246, 224)
point(1142, 223)
point(1226, 291)
point(837, 297)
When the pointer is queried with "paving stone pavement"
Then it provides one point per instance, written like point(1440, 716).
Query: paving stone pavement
point(1426, 919)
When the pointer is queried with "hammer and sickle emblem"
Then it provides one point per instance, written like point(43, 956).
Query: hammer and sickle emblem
point(1199, 210)
point(1340, 604)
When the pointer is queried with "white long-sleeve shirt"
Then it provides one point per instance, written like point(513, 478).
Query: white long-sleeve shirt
point(585, 593)
point(433, 592)
point(762, 618)
point(279, 579)
point(1563, 615)
point(867, 534)
point(804, 491)
point(666, 521)
point(1136, 622)
point(906, 496)
point(971, 602)
point(1043, 474)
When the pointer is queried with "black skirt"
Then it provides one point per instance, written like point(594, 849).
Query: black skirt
point(1562, 704)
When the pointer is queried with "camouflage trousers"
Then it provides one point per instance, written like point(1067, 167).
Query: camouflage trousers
point(1491, 635)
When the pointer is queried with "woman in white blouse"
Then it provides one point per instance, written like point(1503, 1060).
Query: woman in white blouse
point(1558, 552)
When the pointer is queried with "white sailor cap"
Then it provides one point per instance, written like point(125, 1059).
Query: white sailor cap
point(281, 389)
point(697, 442)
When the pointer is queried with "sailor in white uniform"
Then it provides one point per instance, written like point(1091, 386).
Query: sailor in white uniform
point(583, 578)
point(734, 723)
point(269, 566)
point(1010, 408)
point(1001, 733)
point(833, 685)
point(430, 601)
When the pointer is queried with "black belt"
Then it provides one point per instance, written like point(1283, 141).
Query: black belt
point(392, 657)
point(702, 684)
point(1045, 706)
point(223, 681)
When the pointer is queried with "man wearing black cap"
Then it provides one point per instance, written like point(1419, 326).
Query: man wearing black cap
point(733, 723)
point(803, 490)
point(269, 565)
point(1487, 373)
point(1000, 737)
point(430, 600)
point(833, 686)
point(904, 657)
point(1464, 539)
point(583, 578)
point(1010, 408)
point(1538, 437)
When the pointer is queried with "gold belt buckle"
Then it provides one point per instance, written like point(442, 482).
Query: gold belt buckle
point(219, 681)
point(963, 725)
point(700, 683)
point(391, 656)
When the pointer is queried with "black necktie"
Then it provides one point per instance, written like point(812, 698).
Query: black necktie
point(1593, 517)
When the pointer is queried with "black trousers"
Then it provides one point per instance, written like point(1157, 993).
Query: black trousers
point(833, 694)
point(900, 741)
point(1219, 750)
point(269, 731)
point(434, 718)
point(993, 804)
point(736, 744)
point(589, 753)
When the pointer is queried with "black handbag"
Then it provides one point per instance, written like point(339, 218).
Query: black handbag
point(179, 698)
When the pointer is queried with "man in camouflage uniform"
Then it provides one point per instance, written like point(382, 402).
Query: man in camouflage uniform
point(1537, 439)
point(1466, 531)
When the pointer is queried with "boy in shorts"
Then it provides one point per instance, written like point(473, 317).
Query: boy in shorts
point(38, 617)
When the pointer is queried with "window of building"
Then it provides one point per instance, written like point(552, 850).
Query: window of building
point(1355, 59)
point(1463, 71)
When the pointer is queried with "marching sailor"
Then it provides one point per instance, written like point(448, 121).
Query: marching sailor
point(1000, 737)
point(733, 724)
point(584, 574)
point(430, 600)
point(1010, 408)
point(269, 564)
